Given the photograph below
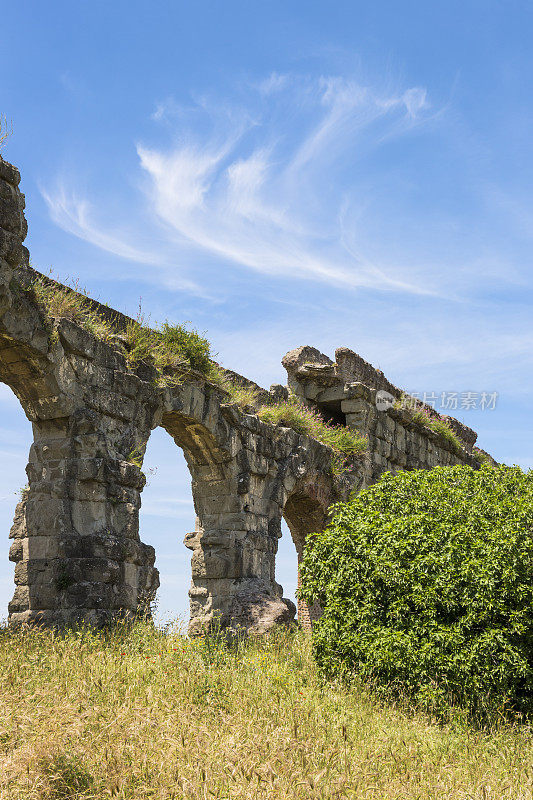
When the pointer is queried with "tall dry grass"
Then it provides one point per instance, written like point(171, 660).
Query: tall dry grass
point(139, 714)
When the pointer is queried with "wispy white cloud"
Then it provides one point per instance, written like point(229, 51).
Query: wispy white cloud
point(73, 214)
point(415, 100)
point(251, 185)
point(247, 200)
point(274, 83)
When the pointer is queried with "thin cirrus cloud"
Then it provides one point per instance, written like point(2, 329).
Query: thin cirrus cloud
point(75, 215)
point(255, 185)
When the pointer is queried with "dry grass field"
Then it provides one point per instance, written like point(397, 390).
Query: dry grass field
point(139, 714)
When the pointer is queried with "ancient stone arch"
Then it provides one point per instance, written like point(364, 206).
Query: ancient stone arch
point(76, 541)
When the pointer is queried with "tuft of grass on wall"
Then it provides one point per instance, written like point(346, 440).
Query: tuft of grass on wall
point(243, 396)
point(6, 130)
point(167, 347)
point(72, 303)
point(177, 341)
point(439, 426)
point(482, 457)
point(294, 414)
point(424, 417)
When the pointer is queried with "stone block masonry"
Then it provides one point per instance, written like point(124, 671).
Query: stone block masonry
point(346, 392)
point(76, 546)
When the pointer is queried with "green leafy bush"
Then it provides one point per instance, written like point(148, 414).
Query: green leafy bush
point(426, 581)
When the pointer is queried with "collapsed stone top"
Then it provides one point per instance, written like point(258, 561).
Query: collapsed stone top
point(306, 365)
point(304, 355)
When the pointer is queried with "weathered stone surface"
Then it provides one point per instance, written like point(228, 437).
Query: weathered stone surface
point(395, 440)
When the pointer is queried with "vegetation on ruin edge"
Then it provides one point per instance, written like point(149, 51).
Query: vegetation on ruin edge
point(167, 347)
point(170, 348)
point(293, 414)
point(423, 416)
point(243, 396)
point(134, 714)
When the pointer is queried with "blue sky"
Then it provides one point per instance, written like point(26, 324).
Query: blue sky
point(278, 174)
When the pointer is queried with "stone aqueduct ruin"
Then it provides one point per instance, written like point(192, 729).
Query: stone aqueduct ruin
point(76, 541)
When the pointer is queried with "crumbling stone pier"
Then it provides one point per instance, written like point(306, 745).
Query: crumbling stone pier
point(76, 542)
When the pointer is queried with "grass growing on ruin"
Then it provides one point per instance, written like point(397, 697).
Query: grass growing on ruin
point(294, 414)
point(244, 396)
point(167, 347)
point(137, 714)
point(72, 303)
point(170, 349)
point(434, 423)
point(6, 130)
point(482, 457)
point(441, 427)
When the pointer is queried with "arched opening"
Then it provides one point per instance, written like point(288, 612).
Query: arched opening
point(166, 516)
point(331, 412)
point(15, 441)
point(304, 514)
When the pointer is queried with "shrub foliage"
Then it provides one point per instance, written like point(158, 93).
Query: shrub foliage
point(426, 580)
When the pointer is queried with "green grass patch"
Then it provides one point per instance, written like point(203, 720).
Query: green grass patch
point(136, 714)
point(424, 417)
point(72, 303)
point(243, 396)
point(292, 413)
point(482, 457)
point(170, 348)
